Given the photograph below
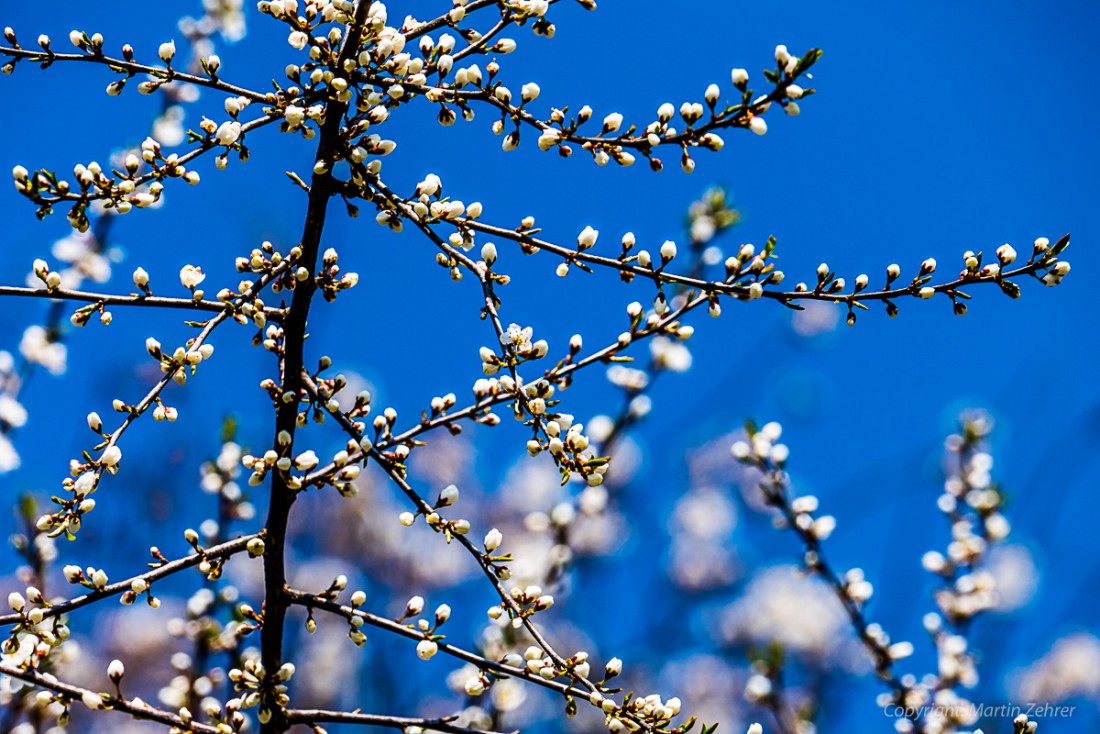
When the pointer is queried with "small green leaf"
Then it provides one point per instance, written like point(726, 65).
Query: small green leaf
point(1059, 246)
point(808, 59)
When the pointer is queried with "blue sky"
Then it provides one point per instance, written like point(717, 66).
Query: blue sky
point(936, 129)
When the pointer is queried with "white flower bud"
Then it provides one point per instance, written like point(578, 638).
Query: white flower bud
point(228, 133)
point(448, 496)
point(425, 649)
point(530, 91)
point(93, 701)
point(110, 456)
point(16, 601)
point(587, 238)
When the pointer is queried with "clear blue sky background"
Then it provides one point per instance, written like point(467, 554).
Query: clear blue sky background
point(937, 128)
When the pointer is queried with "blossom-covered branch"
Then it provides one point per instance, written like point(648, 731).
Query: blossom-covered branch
point(135, 585)
point(519, 670)
point(520, 604)
point(136, 708)
point(109, 299)
point(405, 723)
point(92, 48)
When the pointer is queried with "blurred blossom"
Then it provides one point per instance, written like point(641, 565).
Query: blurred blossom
point(327, 685)
point(531, 484)
point(816, 318)
point(508, 694)
point(1070, 668)
point(221, 16)
point(41, 348)
point(701, 565)
point(710, 688)
point(448, 460)
point(670, 355)
point(709, 465)
point(9, 459)
point(782, 604)
point(85, 258)
point(1014, 574)
point(601, 534)
point(704, 513)
point(12, 411)
point(627, 461)
point(168, 127)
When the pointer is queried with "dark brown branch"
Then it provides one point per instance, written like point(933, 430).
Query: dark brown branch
point(107, 299)
point(224, 550)
point(159, 72)
point(312, 601)
point(312, 716)
point(322, 187)
point(76, 693)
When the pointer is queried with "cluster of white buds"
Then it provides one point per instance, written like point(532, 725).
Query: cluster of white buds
point(262, 688)
point(183, 360)
point(93, 578)
point(536, 661)
point(532, 597)
point(650, 712)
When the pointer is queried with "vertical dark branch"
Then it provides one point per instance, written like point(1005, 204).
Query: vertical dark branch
point(322, 187)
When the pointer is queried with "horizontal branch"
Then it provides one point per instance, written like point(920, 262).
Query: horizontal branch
point(660, 276)
point(224, 550)
point(444, 21)
point(86, 197)
point(312, 601)
point(107, 299)
point(313, 716)
point(737, 116)
point(132, 67)
point(139, 711)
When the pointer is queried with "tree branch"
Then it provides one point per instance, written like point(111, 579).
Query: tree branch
point(140, 710)
point(223, 550)
point(46, 58)
point(294, 336)
point(107, 299)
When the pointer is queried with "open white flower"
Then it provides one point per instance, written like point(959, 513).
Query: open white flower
point(191, 276)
